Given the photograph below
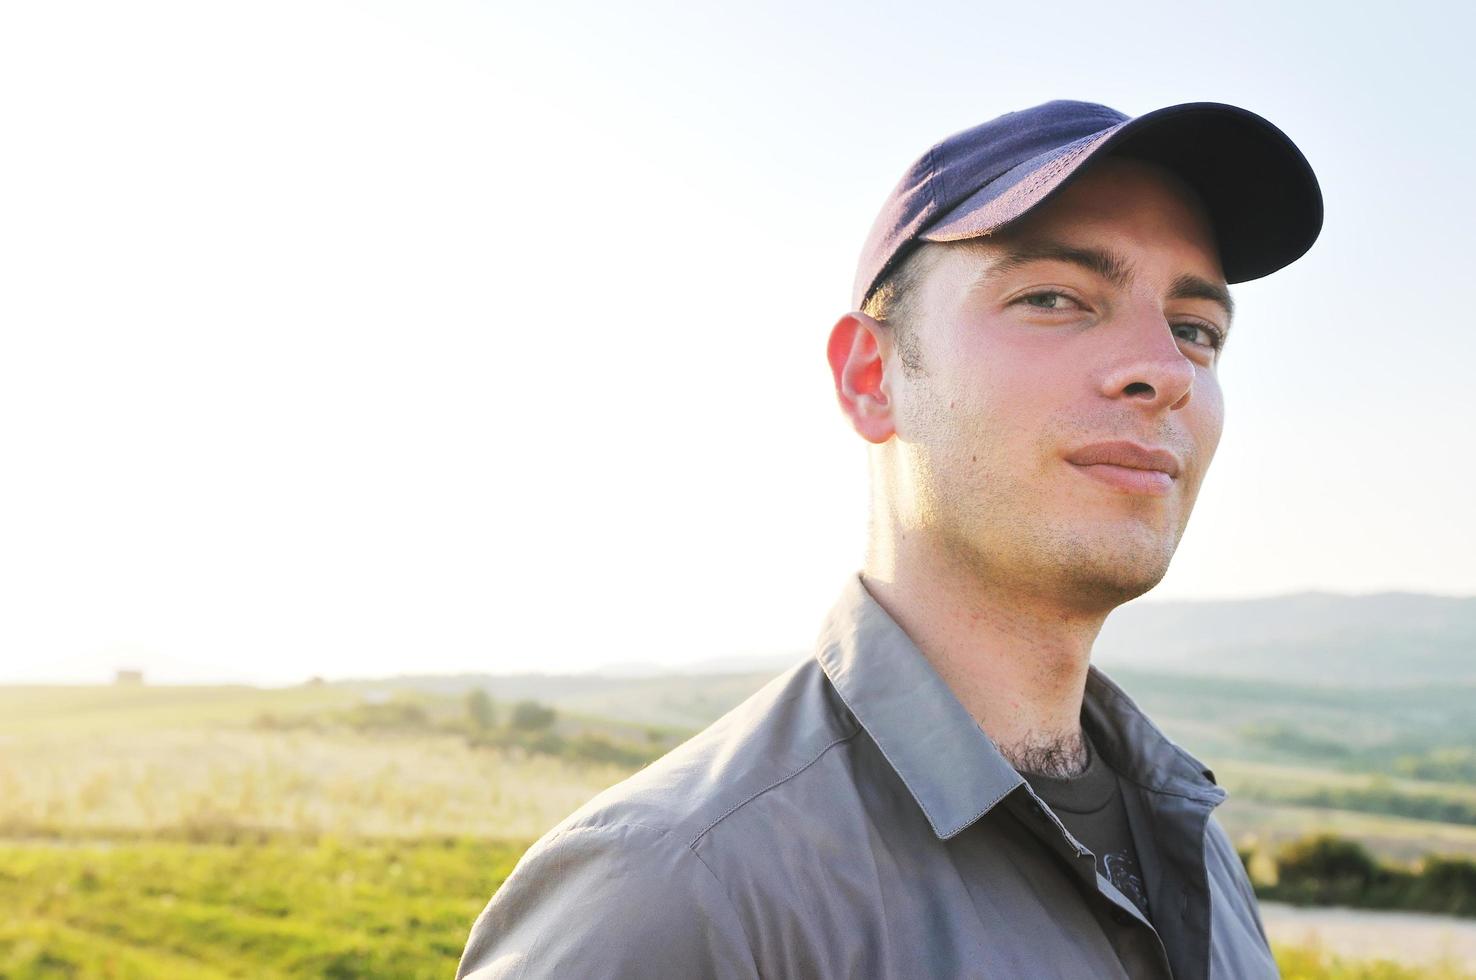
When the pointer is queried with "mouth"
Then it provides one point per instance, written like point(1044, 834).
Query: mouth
point(1128, 467)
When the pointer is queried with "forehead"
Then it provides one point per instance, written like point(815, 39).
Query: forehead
point(1129, 204)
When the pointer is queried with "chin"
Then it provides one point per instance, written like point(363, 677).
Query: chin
point(1107, 570)
point(1098, 563)
point(1111, 591)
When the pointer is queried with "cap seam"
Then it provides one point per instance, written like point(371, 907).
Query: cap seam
point(934, 182)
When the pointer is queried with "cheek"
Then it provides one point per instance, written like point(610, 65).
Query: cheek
point(996, 368)
point(990, 434)
point(1202, 422)
point(990, 394)
point(991, 403)
point(1209, 419)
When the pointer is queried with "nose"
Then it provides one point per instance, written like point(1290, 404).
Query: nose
point(1149, 367)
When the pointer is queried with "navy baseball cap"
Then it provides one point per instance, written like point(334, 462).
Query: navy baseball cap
point(1262, 197)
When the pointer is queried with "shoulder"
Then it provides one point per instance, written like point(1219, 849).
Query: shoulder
point(627, 884)
point(768, 740)
point(618, 900)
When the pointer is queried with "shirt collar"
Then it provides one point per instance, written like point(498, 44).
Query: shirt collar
point(949, 765)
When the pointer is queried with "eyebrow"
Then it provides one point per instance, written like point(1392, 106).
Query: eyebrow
point(1095, 260)
point(1197, 287)
point(1104, 264)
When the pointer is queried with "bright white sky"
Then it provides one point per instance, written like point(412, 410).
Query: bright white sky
point(363, 338)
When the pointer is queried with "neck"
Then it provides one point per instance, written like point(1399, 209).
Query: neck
point(1013, 654)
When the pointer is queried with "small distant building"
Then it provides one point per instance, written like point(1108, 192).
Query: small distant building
point(128, 678)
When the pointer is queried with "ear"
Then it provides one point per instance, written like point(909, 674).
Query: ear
point(861, 384)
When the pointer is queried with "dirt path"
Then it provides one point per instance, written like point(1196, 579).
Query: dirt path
point(1408, 937)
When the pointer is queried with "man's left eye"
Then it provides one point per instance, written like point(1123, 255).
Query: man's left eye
point(1198, 333)
point(1046, 301)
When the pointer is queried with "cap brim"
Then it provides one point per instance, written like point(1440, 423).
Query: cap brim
point(1264, 203)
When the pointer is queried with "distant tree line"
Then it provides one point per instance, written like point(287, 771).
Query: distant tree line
point(529, 726)
point(1329, 870)
point(1446, 765)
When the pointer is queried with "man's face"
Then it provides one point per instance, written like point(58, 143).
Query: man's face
point(1092, 321)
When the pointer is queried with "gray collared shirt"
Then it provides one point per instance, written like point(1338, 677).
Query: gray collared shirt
point(852, 820)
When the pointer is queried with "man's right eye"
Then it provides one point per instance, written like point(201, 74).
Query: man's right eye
point(1047, 300)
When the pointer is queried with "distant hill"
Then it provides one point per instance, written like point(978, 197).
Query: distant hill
point(1309, 638)
point(1314, 637)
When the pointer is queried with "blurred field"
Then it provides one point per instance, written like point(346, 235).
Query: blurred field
point(201, 785)
point(1362, 935)
point(280, 909)
point(356, 830)
point(1398, 839)
point(75, 711)
point(1314, 962)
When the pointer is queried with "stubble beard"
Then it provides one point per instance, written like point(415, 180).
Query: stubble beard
point(1088, 563)
point(993, 523)
point(1056, 757)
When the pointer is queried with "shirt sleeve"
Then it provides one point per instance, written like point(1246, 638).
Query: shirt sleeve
point(621, 901)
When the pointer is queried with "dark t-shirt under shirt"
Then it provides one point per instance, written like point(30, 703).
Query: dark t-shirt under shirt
point(1090, 805)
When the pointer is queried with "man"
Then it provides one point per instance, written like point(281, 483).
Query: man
point(948, 788)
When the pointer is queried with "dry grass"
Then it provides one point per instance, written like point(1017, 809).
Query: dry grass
point(201, 783)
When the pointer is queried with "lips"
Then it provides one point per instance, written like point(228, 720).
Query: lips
point(1126, 454)
point(1128, 467)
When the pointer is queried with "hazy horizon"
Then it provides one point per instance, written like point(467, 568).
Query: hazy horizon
point(161, 672)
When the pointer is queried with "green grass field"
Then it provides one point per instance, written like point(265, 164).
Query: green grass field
point(1302, 963)
point(332, 908)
